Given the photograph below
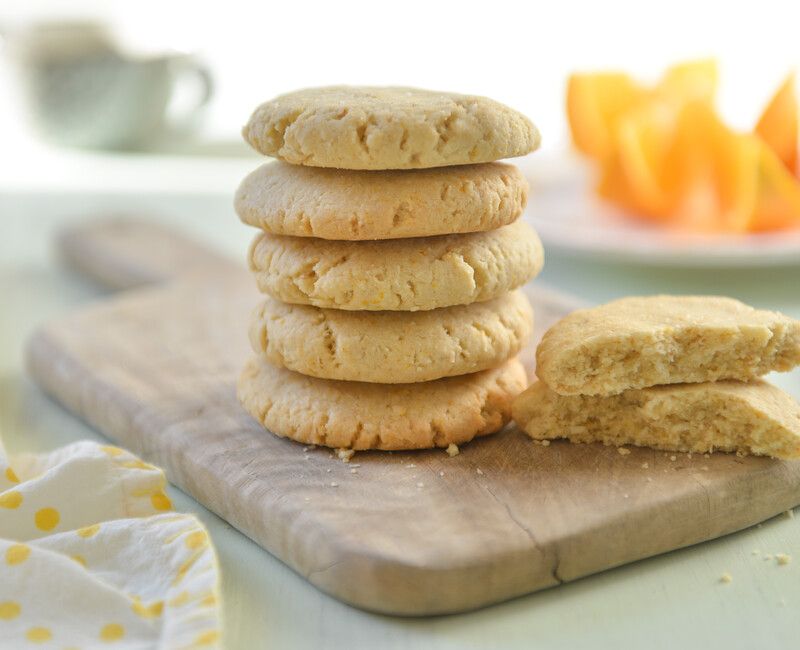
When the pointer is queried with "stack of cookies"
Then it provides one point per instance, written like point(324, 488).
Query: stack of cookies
point(391, 254)
point(678, 373)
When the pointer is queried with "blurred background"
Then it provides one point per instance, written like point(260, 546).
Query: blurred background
point(111, 106)
point(120, 65)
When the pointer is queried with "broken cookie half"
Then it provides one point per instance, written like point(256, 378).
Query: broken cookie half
point(678, 373)
point(753, 418)
point(647, 341)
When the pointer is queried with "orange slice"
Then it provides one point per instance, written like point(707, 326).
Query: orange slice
point(594, 103)
point(778, 199)
point(710, 172)
point(778, 126)
point(690, 81)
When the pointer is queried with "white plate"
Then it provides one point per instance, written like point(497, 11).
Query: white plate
point(568, 216)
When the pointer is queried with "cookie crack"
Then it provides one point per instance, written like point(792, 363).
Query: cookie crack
point(329, 339)
point(444, 128)
point(362, 133)
point(462, 353)
point(276, 136)
point(438, 435)
point(359, 432)
point(461, 260)
point(323, 428)
point(401, 213)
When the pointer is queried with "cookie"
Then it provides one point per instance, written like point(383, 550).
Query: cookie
point(387, 128)
point(357, 205)
point(398, 274)
point(391, 347)
point(640, 342)
point(356, 415)
point(754, 418)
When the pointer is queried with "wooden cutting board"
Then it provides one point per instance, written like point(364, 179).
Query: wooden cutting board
point(154, 369)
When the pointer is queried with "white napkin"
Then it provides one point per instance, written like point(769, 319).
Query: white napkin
point(91, 556)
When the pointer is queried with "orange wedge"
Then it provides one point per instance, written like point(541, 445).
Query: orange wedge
point(614, 187)
point(778, 199)
point(710, 172)
point(594, 103)
point(778, 126)
point(643, 139)
point(665, 155)
point(691, 81)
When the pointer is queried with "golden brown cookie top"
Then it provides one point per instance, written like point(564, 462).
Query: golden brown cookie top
point(387, 128)
point(358, 415)
point(360, 205)
point(397, 274)
point(637, 342)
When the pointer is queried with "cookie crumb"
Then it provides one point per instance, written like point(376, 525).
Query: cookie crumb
point(783, 558)
point(726, 578)
point(673, 458)
point(345, 454)
point(545, 443)
point(452, 449)
point(623, 451)
point(645, 465)
point(334, 484)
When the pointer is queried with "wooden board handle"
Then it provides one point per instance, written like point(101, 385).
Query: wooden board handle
point(122, 253)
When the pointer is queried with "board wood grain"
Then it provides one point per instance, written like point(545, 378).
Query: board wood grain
point(154, 369)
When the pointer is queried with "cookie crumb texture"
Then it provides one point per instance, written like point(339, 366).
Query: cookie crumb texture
point(357, 415)
point(391, 347)
point(403, 274)
point(357, 205)
point(750, 418)
point(387, 128)
point(646, 341)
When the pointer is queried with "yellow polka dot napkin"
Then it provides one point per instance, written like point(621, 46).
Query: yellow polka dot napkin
point(91, 556)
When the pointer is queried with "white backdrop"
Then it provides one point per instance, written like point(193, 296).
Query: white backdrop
point(517, 52)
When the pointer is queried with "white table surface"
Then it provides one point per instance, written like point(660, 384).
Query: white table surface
point(674, 600)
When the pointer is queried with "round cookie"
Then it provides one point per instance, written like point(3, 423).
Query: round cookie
point(356, 415)
point(391, 347)
point(399, 274)
point(387, 128)
point(358, 205)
